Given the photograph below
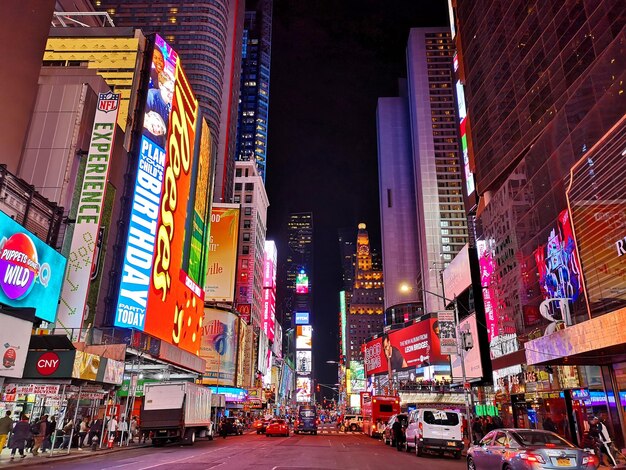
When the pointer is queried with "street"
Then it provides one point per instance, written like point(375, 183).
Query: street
point(328, 450)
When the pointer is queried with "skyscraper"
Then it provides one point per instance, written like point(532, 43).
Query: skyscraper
point(255, 84)
point(299, 258)
point(347, 251)
point(207, 36)
point(365, 317)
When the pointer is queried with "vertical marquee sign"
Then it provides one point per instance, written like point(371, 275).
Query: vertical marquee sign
point(89, 213)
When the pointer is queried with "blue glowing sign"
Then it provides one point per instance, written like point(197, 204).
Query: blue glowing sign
point(135, 283)
point(231, 394)
point(302, 318)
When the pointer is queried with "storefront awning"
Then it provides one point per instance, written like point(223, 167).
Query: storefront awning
point(601, 340)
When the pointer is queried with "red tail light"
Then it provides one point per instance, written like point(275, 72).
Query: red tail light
point(535, 458)
point(317, 422)
point(421, 430)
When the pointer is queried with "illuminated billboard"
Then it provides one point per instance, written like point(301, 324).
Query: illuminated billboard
point(414, 346)
point(219, 346)
point(31, 272)
point(344, 323)
point(132, 301)
point(302, 282)
point(304, 335)
point(88, 213)
point(220, 279)
point(269, 265)
point(356, 381)
point(302, 318)
point(303, 389)
point(460, 95)
point(153, 274)
point(269, 311)
point(473, 364)
point(303, 362)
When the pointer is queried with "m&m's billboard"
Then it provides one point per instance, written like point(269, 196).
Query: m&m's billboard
point(31, 272)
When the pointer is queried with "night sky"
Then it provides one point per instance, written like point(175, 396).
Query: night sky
point(331, 60)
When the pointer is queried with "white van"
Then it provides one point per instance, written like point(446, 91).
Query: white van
point(435, 430)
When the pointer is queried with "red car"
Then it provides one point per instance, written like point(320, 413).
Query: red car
point(277, 427)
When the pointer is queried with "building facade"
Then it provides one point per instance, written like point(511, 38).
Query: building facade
point(545, 108)
point(207, 36)
point(250, 193)
point(299, 258)
point(365, 313)
point(255, 85)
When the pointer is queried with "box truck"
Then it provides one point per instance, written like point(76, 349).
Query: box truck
point(176, 412)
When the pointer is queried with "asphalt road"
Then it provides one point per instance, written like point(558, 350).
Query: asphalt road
point(336, 451)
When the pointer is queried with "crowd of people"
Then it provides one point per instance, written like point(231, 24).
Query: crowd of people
point(44, 433)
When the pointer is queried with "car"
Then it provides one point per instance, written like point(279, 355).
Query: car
point(528, 449)
point(260, 425)
point(352, 423)
point(306, 420)
point(388, 437)
point(433, 430)
point(234, 426)
point(277, 427)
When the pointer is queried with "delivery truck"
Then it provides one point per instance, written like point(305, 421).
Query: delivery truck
point(176, 412)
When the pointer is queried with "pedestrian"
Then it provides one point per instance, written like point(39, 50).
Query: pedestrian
point(95, 431)
point(380, 429)
point(601, 434)
point(47, 441)
point(134, 429)
point(477, 430)
point(224, 428)
point(39, 430)
point(398, 435)
point(111, 428)
point(83, 430)
point(20, 434)
point(122, 430)
point(549, 425)
point(6, 424)
point(67, 435)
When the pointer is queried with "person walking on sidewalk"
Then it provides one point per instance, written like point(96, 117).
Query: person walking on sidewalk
point(601, 433)
point(39, 430)
point(6, 424)
point(20, 434)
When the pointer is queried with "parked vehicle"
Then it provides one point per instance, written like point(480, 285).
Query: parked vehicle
point(306, 420)
point(383, 408)
point(435, 430)
point(260, 425)
point(388, 436)
point(176, 411)
point(277, 427)
point(528, 449)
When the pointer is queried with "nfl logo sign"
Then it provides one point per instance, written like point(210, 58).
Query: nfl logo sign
point(108, 101)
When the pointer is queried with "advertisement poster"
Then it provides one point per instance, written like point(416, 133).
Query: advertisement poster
point(220, 279)
point(473, 364)
point(414, 346)
point(302, 318)
point(14, 340)
point(303, 389)
point(304, 335)
point(447, 332)
point(85, 366)
point(89, 213)
point(219, 346)
point(357, 376)
point(140, 246)
point(31, 272)
point(303, 362)
point(302, 282)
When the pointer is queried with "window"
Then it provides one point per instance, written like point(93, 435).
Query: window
point(237, 186)
point(236, 198)
point(247, 223)
point(248, 198)
point(238, 172)
point(246, 237)
point(249, 186)
point(245, 250)
point(441, 418)
point(501, 440)
point(247, 211)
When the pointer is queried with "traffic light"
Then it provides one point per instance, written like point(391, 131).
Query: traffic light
point(317, 387)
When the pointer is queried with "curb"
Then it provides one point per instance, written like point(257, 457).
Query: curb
point(76, 455)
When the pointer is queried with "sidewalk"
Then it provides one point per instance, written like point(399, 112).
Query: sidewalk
point(59, 456)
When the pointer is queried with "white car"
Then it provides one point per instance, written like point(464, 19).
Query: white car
point(432, 430)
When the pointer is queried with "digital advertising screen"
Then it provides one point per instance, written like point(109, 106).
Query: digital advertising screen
point(303, 362)
point(414, 346)
point(303, 389)
point(220, 279)
point(219, 346)
point(31, 272)
point(269, 311)
point(302, 282)
point(302, 318)
point(304, 336)
point(89, 213)
point(473, 364)
point(164, 178)
point(269, 265)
